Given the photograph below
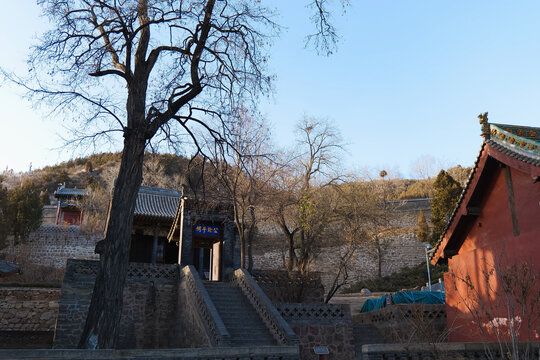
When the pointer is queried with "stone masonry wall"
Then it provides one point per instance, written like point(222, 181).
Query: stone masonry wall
point(28, 309)
point(52, 245)
point(149, 317)
point(399, 252)
point(194, 335)
point(321, 325)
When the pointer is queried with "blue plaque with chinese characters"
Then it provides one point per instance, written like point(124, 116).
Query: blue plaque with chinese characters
point(207, 230)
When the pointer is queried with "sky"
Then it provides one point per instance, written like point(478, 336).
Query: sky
point(405, 85)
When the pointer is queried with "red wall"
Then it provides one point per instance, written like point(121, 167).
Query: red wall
point(488, 251)
point(71, 217)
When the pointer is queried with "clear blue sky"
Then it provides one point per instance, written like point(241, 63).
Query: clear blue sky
point(407, 81)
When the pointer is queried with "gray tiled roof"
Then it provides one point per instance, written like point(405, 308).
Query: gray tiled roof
point(157, 203)
point(526, 157)
point(71, 192)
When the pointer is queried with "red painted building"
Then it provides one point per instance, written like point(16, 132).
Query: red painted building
point(70, 209)
point(492, 241)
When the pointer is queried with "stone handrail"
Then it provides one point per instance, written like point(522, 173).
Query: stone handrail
point(400, 312)
point(313, 312)
point(219, 336)
point(280, 330)
point(136, 271)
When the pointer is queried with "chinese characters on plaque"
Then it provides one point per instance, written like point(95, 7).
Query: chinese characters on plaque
point(207, 230)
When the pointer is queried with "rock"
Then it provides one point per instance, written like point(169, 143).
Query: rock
point(53, 304)
point(365, 291)
point(46, 316)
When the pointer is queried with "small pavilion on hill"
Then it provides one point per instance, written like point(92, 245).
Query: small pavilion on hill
point(70, 207)
point(492, 241)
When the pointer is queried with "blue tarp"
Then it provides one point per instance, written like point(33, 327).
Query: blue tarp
point(405, 297)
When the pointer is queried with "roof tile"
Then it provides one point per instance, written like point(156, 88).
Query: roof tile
point(157, 203)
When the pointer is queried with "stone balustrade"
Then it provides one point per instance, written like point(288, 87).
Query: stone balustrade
point(199, 302)
point(280, 330)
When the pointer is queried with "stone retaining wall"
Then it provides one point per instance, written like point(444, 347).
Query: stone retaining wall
point(28, 309)
point(321, 325)
point(408, 323)
point(52, 245)
point(149, 315)
point(399, 252)
point(281, 286)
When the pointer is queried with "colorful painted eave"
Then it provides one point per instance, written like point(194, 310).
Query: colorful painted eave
point(521, 139)
point(69, 192)
point(517, 146)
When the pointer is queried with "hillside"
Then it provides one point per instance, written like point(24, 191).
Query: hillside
point(98, 171)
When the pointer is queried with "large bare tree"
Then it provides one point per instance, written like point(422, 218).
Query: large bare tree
point(149, 70)
point(301, 212)
point(179, 68)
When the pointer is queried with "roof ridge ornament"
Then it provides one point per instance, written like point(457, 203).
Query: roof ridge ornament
point(485, 126)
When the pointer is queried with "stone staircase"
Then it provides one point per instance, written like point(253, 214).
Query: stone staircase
point(242, 322)
point(365, 334)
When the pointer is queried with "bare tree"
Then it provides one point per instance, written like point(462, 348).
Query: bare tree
point(352, 211)
point(244, 169)
point(148, 70)
point(325, 37)
point(301, 211)
point(180, 67)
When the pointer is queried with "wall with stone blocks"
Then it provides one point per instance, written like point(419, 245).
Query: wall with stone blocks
point(408, 323)
point(320, 325)
point(150, 313)
point(52, 245)
point(399, 252)
point(148, 316)
point(281, 286)
point(28, 309)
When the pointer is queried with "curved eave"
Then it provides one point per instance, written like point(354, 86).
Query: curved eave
point(152, 218)
point(453, 235)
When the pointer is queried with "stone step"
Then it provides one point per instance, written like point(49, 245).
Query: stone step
point(239, 317)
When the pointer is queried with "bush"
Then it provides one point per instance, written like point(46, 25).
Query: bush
point(408, 278)
point(23, 211)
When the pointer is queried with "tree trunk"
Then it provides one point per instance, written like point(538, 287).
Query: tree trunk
point(379, 256)
point(251, 235)
point(103, 320)
point(292, 254)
